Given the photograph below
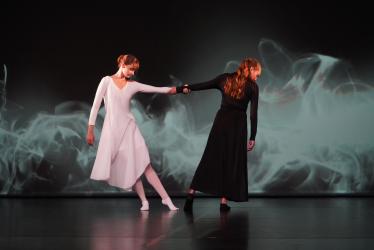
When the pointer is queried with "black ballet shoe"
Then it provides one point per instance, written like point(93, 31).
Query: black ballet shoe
point(224, 207)
point(188, 204)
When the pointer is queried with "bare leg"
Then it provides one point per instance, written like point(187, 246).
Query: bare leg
point(140, 191)
point(224, 207)
point(191, 191)
point(223, 200)
point(153, 179)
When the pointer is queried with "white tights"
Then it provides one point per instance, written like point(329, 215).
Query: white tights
point(153, 179)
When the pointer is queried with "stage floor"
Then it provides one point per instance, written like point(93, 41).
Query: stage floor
point(117, 223)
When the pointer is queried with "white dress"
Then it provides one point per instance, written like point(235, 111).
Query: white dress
point(122, 155)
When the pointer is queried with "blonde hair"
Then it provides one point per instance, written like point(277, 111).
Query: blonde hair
point(235, 83)
point(128, 60)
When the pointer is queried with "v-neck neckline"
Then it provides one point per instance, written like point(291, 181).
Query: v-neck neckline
point(116, 86)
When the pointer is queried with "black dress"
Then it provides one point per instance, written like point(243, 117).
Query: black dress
point(222, 170)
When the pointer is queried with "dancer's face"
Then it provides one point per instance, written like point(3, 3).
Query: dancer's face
point(254, 73)
point(128, 70)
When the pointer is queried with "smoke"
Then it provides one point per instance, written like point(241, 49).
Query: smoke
point(315, 131)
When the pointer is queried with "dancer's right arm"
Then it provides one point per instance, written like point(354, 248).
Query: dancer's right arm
point(100, 92)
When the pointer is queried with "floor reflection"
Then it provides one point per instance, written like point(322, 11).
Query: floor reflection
point(229, 229)
point(131, 232)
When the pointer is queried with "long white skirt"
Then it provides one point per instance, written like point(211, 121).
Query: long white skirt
point(122, 157)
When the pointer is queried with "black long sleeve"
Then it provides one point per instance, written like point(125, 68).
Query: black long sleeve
point(211, 84)
point(253, 112)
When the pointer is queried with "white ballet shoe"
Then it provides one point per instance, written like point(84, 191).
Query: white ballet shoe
point(145, 206)
point(169, 203)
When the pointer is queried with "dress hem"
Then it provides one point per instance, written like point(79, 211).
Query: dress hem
point(119, 186)
point(219, 194)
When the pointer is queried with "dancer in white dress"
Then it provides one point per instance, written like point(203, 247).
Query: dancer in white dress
point(122, 156)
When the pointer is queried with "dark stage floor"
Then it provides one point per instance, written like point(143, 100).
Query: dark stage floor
point(116, 223)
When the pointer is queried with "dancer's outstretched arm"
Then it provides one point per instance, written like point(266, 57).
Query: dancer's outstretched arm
point(152, 89)
point(212, 84)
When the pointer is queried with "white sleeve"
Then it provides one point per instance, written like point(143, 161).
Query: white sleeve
point(100, 92)
point(151, 89)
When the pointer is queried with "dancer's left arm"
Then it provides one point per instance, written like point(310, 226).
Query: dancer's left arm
point(253, 117)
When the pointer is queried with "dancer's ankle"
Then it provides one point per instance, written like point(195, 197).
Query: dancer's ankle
point(190, 196)
point(145, 205)
point(223, 200)
point(169, 203)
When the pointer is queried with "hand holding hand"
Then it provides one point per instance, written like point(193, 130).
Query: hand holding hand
point(186, 90)
point(172, 91)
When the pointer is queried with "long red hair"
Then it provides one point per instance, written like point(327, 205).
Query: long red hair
point(235, 83)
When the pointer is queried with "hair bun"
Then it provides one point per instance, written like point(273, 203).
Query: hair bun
point(121, 59)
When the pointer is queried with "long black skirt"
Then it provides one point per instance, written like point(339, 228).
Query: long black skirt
point(222, 170)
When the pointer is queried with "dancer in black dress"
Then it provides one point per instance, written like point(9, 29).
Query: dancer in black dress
point(222, 170)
